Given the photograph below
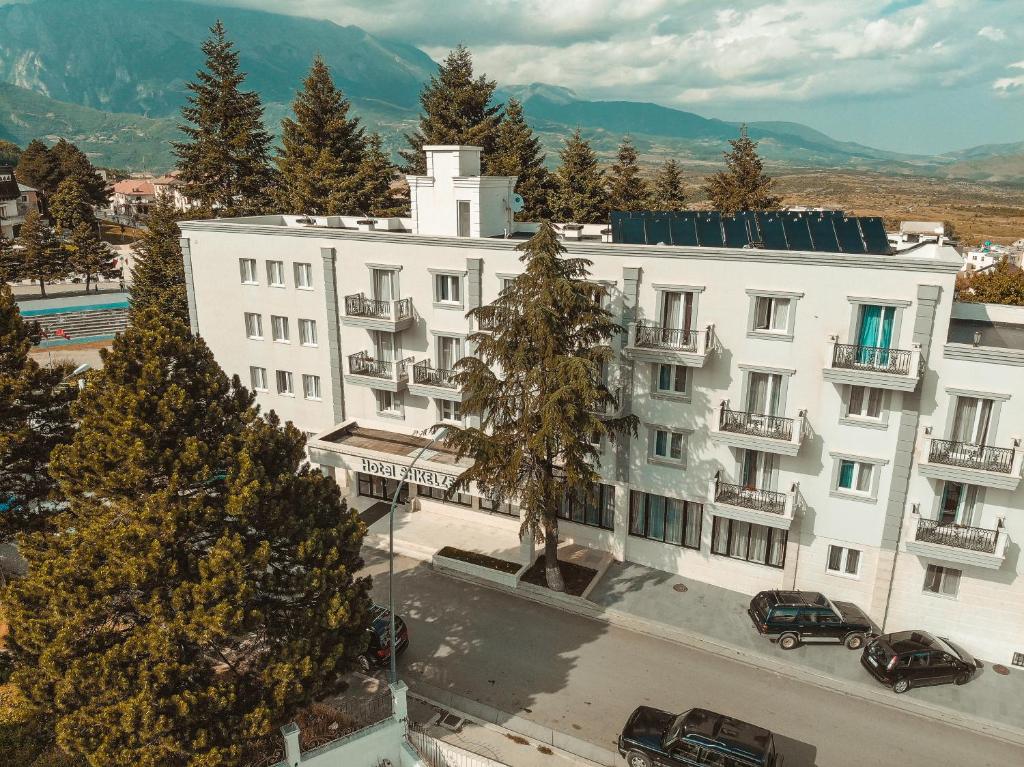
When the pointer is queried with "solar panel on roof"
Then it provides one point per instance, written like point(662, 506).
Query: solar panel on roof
point(823, 234)
point(658, 232)
point(773, 236)
point(737, 235)
point(798, 236)
point(848, 234)
point(874, 235)
point(631, 231)
point(709, 229)
point(683, 226)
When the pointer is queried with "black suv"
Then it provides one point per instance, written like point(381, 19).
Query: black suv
point(378, 652)
point(655, 738)
point(917, 659)
point(794, 617)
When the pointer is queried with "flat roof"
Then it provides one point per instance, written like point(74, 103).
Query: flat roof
point(998, 335)
point(392, 443)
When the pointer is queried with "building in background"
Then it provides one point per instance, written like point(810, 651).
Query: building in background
point(12, 211)
point(133, 197)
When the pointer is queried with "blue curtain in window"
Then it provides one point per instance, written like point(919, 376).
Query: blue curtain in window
point(656, 517)
point(867, 339)
point(846, 474)
point(885, 341)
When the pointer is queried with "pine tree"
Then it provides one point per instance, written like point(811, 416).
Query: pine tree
point(201, 585)
point(89, 256)
point(668, 191)
point(70, 207)
point(369, 191)
point(43, 258)
point(627, 189)
point(321, 147)
point(12, 266)
point(579, 195)
point(158, 280)
point(38, 168)
point(73, 163)
point(537, 415)
point(517, 152)
point(224, 166)
point(9, 152)
point(457, 109)
point(743, 185)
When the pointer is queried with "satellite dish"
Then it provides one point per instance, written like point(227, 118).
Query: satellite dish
point(517, 203)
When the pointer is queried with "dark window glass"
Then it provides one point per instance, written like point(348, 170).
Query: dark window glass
point(668, 520)
point(596, 509)
point(747, 541)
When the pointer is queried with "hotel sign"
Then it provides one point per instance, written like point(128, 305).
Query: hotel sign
point(416, 475)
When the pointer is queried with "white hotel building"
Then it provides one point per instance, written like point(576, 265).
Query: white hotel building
point(829, 421)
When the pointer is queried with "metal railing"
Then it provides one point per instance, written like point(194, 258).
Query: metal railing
point(358, 305)
point(875, 358)
point(968, 455)
point(666, 338)
point(750, 498)
point(362, 364)
point(756, 424)
point(438, 753)
point(423, 373)
point(957, 536)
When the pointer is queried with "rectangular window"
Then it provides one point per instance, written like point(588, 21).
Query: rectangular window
point(672, 379)
point(843, 560)
point(258, 377)
point(304, 276)
point(284, 383)
point(279, 328)
point(437, 494)
point(855, 476)
point(942, 580)
point(771, 314)
point(498, 506)
point(669, 446)
point(463, 214)
point(749, 542)
point(595, 508)
point(446, 288)
point(275, 273)
point(311, 386)
point(247, 266)
point(307, 332)
point(373, 486)
point(449, 410)
point(253, 325)
point(387, 402)
point(865, 402)
point(668, 520)
point(449, 351)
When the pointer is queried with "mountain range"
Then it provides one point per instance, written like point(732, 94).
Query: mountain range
point(111, 75)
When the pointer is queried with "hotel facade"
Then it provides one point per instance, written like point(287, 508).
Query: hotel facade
point(811, 419)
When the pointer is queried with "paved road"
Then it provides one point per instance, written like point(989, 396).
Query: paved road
point(582, 677)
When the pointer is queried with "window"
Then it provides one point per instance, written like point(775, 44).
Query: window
point(284, 383)
point(855, 476)
point(387, 402)
point(771, 314)
point(437, 494)
point(304, 276)
point(373, 486)
point(864, 402)
point(253, 325)
point(275, 273)
point(449, 410)
point(749, 542)
point(311, 386)
point(669, 520)
point(843, 560)
point(671, 379)
point(944, 581)
point(498, 506)
point(279, 328)
point(449, 351)
point(382, 283)
point(463, 216)
point(595, 507)
point(668, 446)
point(247, 266)
point(446, 288)
point(307, 332)
point(258, 377)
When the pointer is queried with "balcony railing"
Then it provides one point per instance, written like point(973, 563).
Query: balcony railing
point(874, 358)
point(666, 338)
point(750, 498)
point(957, 536)
point(358, 305)
point(362, 364)
point(423, 373)
point(971, 456)
point(756, 424)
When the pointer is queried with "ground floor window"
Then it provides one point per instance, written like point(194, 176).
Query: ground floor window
point(942, 580)
point(749, 542)
point(437, 494)
point(372, 486)
point(595, 508)
point(669, 520)
point(843, 560)
point(498, 506)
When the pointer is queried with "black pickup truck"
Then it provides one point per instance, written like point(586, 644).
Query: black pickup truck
point(655, 738)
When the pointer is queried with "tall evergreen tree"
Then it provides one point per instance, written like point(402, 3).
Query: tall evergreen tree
point(369, 190)
point(579, 193)
point(9, 152)
point(669, 193)
point(201, 586)
point(536, 386)
point(743, 185)
point(70, 207)
point(225, 163)
point(89, 256)
point(517, 152)
point(457, 109)
point(73, 163)
point(12, 266)
point(627, 189)
point(43, 258)
point(321, 147)
point(158, 279)
point(38, 168)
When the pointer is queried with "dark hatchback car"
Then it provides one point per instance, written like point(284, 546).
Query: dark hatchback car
point(378, 652)
point(917, 659)
point(792, 618)
point(655, 738)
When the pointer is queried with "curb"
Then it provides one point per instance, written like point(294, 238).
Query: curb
point(1005, 733)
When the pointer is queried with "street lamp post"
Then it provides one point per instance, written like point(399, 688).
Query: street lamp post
point(391, 553)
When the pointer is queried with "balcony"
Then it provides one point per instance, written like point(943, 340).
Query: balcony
point(995, 467)
point(757, 431)
point(653, 343)
point(372, 314)
point(364, 370)
point(761, 507)
point(894, 369)
point(428, 381)
point(976, 546)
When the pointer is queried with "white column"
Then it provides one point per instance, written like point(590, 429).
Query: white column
point(292, 754)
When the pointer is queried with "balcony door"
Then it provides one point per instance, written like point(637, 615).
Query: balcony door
point(764, 392)
point(383, 345)
point(383, 284)
point(876, 323)
point(676, 310)
point(756, 470)
point(958, 504)
point(971, 420)
point(449, 351)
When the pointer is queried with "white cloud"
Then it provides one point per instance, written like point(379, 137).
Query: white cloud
point(992, 33)
point(1007, 85)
